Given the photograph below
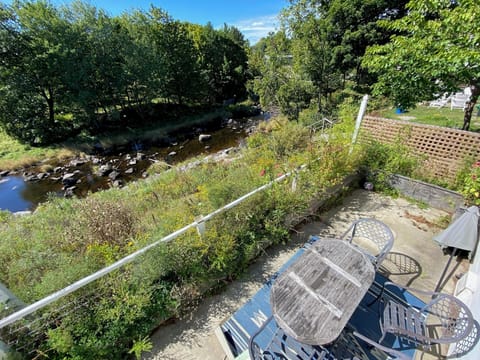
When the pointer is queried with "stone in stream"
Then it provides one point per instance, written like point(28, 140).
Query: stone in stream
point(77, 162)
point(96, 161)
point(30, 177)
point(58, 169)
point(140, 156)
point(4, 173)
point(204, 137)
point(42, 176)
point(132, 162)
point(172, 153)
point(69, 191)
point(104, 170)
point(130, 171)
point(114, 175)
point(22, 213)
point(69, 179)
point(118, 183)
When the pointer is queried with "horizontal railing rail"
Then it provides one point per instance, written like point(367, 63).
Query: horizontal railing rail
point(29, 309)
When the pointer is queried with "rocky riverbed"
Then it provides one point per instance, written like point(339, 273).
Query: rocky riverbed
point(24, 189)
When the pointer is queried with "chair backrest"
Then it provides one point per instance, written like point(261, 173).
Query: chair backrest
point(443, 320)
point(394, 354)
point(373, 237)
point(447, 318)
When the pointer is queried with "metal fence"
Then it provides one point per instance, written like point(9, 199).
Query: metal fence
point(26, 328)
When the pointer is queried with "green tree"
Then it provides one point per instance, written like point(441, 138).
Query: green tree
point(330, 37)
point(177, 54)
point(270, 63)
point(311, 48)
point(36, 50)
point(223, 62)
point(97, 78)
point(436, 51)
point(353, 27)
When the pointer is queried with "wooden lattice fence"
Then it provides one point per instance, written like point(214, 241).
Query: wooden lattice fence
point(446, 149)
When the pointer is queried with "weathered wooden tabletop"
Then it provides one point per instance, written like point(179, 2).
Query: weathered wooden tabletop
point(315, 297)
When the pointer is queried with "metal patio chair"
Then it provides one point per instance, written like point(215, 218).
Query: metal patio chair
point(443, 320)
point(393, 354)
point(270, 342)
point(371, 236)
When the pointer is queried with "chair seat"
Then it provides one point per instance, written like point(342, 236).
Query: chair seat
point(406, 321)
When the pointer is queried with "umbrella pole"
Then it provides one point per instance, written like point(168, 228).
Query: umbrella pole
point(437, 288)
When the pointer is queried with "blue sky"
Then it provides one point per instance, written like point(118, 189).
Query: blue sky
point(255, 18)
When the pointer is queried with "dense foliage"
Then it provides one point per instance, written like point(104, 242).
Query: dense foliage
point(74, 67)
point(436, 51)
point(318, 53)
point(67, 239)
point(471, 184)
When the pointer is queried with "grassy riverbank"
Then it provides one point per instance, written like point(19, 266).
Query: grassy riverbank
point(67, 239)
point(15, 155)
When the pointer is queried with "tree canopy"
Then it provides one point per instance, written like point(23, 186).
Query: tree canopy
point(324, 42)
point(436, 50)
point(64, 68)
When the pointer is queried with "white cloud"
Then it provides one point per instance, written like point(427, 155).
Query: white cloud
point(256, 28)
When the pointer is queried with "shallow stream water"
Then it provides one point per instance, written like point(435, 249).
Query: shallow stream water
point(19, 194)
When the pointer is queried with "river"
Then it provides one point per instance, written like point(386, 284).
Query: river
point(19, 194)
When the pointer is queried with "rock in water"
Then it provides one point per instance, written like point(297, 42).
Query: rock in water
point(204, 137)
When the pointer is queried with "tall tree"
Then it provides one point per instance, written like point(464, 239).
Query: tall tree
point(437, 51)
point(36, 49)
point(271, 62)
point(330, 37)
point(223, 60)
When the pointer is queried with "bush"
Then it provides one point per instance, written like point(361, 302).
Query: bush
point(471, 184)
point(67, 239)
point(380, 161)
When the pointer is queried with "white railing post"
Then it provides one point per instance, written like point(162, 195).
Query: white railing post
point(199, 224)
point(358, 122)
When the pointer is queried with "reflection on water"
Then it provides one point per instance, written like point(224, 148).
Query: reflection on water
point(11, 198)
point(18, 195)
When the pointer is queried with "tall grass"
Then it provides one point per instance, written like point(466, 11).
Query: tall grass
point(65, 240)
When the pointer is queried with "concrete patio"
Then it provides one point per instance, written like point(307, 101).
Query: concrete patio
point(415, 260)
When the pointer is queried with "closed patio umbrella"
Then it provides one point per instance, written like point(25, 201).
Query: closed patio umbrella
point(462, 234)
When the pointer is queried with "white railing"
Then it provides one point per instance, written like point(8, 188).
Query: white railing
point(198, 223)
point(20, 314)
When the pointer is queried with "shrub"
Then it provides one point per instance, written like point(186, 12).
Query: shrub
point(380, 161)
point(101, 222)
point(471, 184)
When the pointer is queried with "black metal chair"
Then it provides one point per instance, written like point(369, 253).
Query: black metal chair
point(271, 343)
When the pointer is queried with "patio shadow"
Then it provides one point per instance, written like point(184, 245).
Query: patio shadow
point(396, 263)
